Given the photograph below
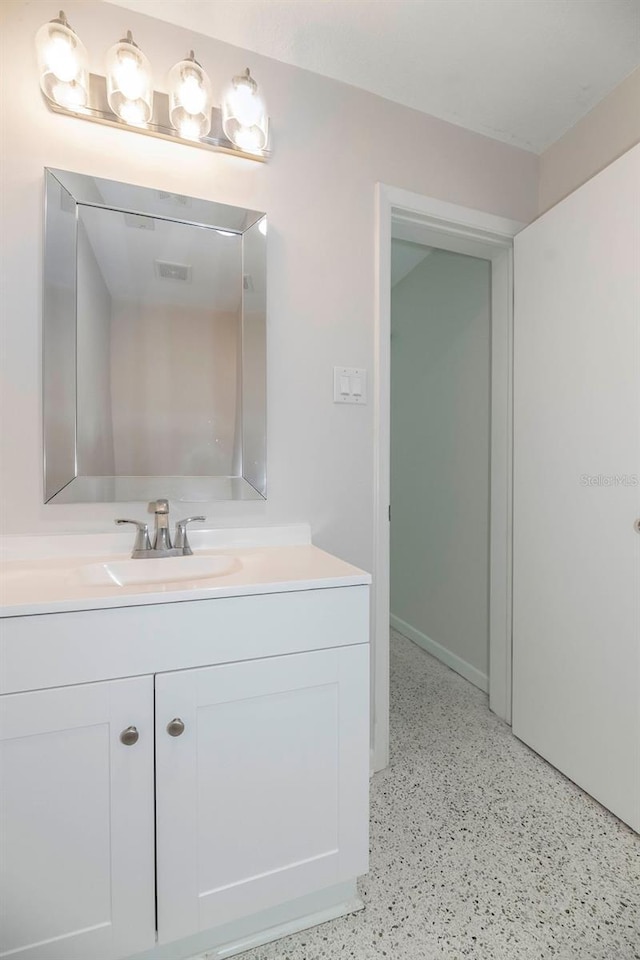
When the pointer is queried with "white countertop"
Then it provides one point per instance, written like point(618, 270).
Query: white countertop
point(44, 575)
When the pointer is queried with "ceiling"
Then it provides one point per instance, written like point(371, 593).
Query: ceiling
point(520, 71)
point(405, 257)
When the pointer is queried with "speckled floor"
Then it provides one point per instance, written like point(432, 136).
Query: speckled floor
point(479, 849)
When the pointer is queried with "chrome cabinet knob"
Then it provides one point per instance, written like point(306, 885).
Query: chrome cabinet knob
point(175, 727)
point(636, 526)
point(129, 736)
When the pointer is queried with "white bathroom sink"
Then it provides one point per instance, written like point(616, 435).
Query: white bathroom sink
point(124, 573)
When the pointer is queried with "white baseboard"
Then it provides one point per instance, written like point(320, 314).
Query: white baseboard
point(286, 929)
point(466, 670)
point(246, 933)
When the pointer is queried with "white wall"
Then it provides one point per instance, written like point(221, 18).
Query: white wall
point(174, 389)
point(607, 131)
point(331, 143)
point(440, 392)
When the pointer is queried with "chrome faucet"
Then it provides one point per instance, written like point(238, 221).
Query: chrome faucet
point(162, 537)
point(162, 546)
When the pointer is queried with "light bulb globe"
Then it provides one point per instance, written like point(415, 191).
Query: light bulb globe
point(63, 63)
point(189, 99)
point(244, 117)
point(129, 82)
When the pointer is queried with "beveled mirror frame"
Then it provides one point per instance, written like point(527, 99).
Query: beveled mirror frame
point(62, 481)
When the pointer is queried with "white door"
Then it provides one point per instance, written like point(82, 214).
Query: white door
point(76, 822)
point(576, 627)
point(262, 790)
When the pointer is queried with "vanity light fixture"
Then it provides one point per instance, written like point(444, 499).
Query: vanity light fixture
point(125, 96)
point(63, 63)
point(129, 82)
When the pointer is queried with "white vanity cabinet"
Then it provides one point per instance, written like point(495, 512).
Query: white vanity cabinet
point(242, 788)
point(262, 798)
point(76, 822)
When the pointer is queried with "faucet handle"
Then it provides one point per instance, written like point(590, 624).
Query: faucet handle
point(181, 542)
point(142, 541)
point(160, 506)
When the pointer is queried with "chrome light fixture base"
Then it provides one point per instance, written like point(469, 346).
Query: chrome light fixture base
point(97, 110)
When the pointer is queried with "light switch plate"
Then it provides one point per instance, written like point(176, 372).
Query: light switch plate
point(349, 385)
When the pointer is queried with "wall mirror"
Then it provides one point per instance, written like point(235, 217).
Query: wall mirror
point(154, 345)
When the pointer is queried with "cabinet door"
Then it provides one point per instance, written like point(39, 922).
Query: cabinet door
point(576, 554)
point(76, 822)
point(264, 795)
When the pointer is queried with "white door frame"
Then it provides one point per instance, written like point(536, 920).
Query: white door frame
point(448, 226)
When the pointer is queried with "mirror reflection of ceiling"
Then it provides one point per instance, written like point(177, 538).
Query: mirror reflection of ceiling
point(166, 204)
point(162, 262)
point(156, 203)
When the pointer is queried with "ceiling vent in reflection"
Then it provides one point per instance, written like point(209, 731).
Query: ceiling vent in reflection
point(173, 271)
point(138, 222)
point(175, 198)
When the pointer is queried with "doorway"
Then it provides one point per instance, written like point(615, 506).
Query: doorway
point(448, 227)
point(440, 443)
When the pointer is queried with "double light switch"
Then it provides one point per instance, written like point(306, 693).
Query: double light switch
point(349, 385)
